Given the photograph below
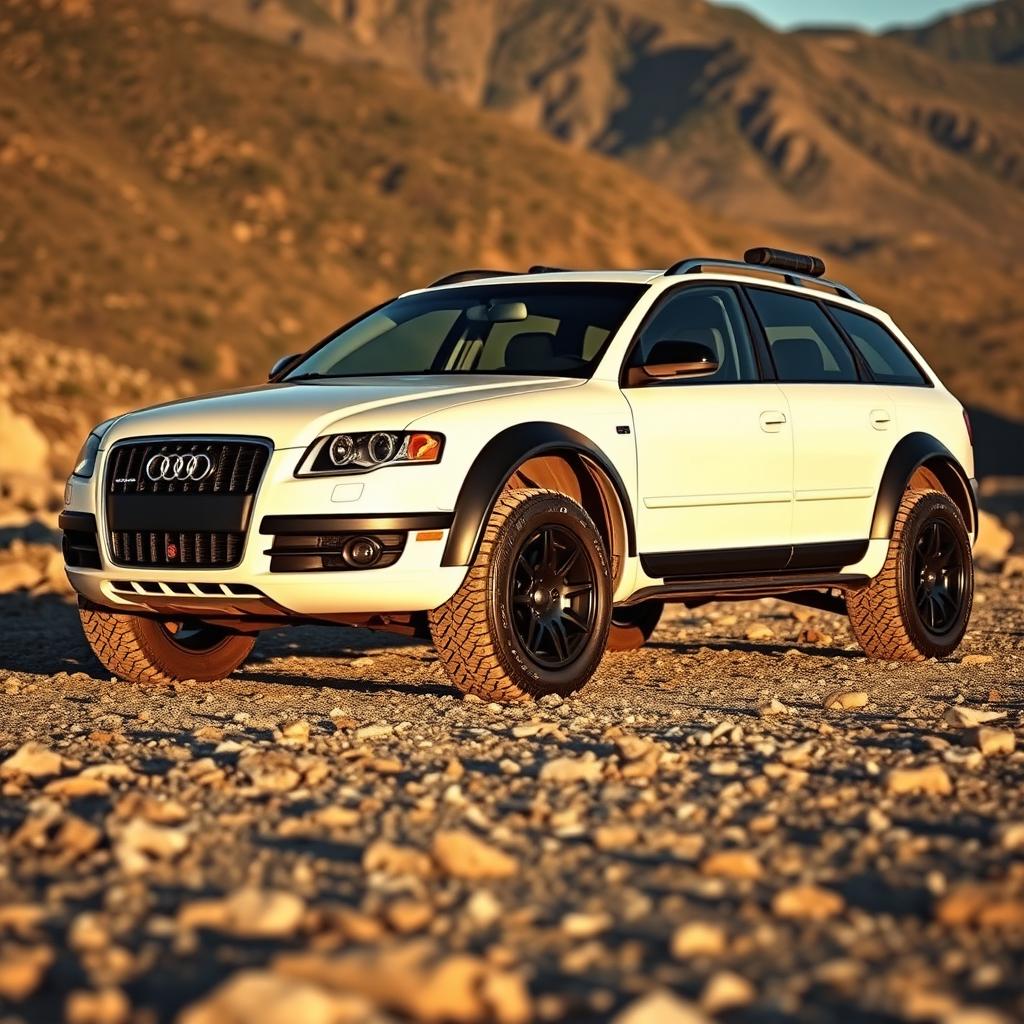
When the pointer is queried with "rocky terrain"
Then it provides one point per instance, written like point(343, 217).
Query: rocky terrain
point(745, 821)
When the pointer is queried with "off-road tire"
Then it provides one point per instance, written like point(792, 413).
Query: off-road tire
point(884, 615)
point(140, 649)
point(474, 632)
point(632, 625)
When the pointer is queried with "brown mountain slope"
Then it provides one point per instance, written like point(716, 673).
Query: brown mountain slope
point(991, 32)
point(193, 200)
point(905, 169)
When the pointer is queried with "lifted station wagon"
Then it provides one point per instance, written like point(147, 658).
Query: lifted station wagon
point(526, 467)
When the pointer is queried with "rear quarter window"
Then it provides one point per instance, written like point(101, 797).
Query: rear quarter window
point(886, 357)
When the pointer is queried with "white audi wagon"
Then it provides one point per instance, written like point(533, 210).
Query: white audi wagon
point(526, 467)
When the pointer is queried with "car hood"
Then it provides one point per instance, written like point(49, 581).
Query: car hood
point(292, 415)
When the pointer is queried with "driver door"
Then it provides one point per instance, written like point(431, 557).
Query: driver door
point(715, 451)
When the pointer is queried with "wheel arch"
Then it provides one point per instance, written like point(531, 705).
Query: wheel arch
point(925, 459)
point(542, 454)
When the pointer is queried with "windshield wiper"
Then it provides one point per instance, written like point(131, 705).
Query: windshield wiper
point(311, 376)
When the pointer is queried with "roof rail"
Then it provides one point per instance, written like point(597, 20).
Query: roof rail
point(539, 268)
point(470, 275)
point(772, 261)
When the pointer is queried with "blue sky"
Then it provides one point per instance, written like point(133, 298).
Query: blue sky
point(871, 14)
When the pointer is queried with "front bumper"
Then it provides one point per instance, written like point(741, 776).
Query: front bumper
point(415, 582)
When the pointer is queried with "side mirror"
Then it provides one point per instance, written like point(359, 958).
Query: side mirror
point(669, 359)
point(284, 363)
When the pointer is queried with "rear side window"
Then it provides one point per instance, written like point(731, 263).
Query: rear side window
point(805, 347)
point(889, 363)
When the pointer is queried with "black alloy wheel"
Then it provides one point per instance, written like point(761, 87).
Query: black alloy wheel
point(919, 605)
point(532, 615)
point(938, 571)
point(553, 597)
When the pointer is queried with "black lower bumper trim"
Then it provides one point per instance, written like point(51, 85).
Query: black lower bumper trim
point(77, 522)
point(80, 543)
point(355, 524)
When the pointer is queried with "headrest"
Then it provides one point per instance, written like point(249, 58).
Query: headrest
point(799, 359)
point(530, 350)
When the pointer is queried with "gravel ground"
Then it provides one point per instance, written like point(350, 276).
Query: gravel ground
point(333, 835)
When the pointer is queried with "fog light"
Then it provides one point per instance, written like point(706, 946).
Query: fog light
point(361, 552)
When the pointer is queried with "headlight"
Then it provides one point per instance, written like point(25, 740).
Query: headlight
point(86, 461)
point(358, 453)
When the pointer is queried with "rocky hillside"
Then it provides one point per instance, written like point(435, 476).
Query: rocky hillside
point(904, 168)
point(990, 32)
point(194, 201)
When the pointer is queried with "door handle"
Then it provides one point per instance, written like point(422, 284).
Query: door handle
point(772, 421)
point(880, 419)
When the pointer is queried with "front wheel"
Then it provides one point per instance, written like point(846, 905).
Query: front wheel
point(919, 605)
point(532, 615)
point(145, 650)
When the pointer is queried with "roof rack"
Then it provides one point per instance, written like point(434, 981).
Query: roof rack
point(459, 276)
point(470, 275)
point(794, 268)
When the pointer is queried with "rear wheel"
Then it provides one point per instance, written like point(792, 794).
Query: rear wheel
point(919, 605)
point(146, 650)
point(632, 625)
point(532, 615)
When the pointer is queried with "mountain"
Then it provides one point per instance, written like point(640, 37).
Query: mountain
point(903, 168)
point(194, 201)
point(993, 33)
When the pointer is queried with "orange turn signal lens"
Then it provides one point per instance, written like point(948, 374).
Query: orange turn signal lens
point(430, 535)
point(423, 448)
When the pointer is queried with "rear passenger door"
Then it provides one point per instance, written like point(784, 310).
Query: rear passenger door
point(843, 428)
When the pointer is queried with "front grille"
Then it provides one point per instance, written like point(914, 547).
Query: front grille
point(161, 549)
point(182, 524)
point(237, 467)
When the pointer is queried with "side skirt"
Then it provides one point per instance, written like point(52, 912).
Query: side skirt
point(802, 588)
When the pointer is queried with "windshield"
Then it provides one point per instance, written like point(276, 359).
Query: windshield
point(552, 330)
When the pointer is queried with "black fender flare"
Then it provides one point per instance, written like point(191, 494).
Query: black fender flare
point(912, 452)
point(495, 464)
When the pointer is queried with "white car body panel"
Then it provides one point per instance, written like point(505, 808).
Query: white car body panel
point(710, 475)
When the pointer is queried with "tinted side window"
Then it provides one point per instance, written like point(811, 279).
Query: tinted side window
point(804, 344)
point(881, 351)
point(710, 317)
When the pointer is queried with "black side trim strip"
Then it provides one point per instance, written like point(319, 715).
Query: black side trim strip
point(498, 460)
point(735, 561)
point(912, 452)
point(355, 524)
point(217, 513)
point(829, 556)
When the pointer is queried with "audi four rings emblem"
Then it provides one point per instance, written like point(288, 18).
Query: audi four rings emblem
point(194, 467)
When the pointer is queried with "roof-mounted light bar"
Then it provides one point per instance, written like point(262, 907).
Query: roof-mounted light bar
point(780, 259)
